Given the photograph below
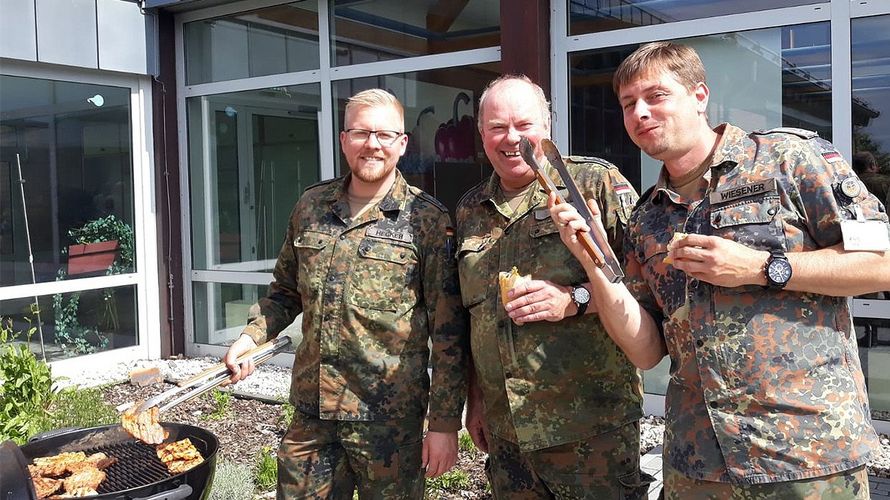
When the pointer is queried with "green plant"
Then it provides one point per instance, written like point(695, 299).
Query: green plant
point(231, 481)
point(465, 443)
point(451, 481)
point(287, 415)
point(27, 386)
point(266, 470)
point(76, 407)
point(222, 400)
point(70, 334)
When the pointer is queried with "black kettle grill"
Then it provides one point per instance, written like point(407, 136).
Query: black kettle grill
point(138, 473)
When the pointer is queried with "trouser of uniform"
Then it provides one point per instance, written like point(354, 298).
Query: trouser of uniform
point(847, 485)
point(329, 459)
point(606, 466)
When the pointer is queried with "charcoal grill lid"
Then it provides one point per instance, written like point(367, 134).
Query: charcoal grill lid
point(15, 480)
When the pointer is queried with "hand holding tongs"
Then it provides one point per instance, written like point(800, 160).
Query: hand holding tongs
point(594, 241)
point(209, 378)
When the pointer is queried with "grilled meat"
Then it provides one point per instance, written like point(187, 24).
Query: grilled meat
point(179, 456)
point(45, 486)
point(89, 478)
point(69, 475)
point(144, 425)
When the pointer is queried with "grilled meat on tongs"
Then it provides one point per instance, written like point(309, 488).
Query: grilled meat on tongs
point(144, 425)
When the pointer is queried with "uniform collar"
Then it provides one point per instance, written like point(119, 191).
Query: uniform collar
point(395, 199)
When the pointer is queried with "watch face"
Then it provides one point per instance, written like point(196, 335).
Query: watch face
point(779, 271)
point(581, 295)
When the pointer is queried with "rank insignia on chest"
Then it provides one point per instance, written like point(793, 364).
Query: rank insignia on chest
point(390, 234)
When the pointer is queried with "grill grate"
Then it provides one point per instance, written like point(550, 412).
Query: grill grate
point(137, 465)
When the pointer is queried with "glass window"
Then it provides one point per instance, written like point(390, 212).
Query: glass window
point(593, 16)
point(758, 79)
point(378, 30)
point(280, 39)
point(251, 155)
point(72, 207)
point(870, 54)
point(444, 156)
point(77, 323)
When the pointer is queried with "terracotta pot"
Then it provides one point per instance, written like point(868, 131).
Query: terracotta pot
point(91, 257)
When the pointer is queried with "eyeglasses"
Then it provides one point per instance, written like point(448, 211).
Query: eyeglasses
point(384, 137)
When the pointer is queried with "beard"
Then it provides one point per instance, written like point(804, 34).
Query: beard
point(373, 174)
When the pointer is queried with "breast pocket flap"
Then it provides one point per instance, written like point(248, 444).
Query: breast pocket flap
point(756, 211)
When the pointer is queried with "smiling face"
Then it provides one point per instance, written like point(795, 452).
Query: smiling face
point(369, 161)
point(662, 117)
point(510, 111)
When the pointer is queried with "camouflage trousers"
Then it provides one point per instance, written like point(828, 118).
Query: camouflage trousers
point(847, 485)
point(329, 459)
point(606, 466)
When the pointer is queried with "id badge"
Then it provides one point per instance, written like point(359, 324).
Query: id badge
point(867, 235)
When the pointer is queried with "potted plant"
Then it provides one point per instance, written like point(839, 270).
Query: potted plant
point(100, 244)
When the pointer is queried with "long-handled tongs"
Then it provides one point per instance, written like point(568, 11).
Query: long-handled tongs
point(208, 379)
point(595, 242)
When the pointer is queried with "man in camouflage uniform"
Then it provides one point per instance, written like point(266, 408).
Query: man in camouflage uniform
point(766, 398)
point(366, 260)
point(555, 402)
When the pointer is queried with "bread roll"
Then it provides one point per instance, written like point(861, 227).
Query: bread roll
point(508, 281)
point(672, 244)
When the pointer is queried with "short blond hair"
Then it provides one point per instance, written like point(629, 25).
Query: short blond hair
point(681, 61)
point(543, 103)
point(374, 98)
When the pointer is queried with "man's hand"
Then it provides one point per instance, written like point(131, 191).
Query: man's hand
point(243, 370)
point(475, 421)
point(537, 300)
point(439, 452)
point(570, 222)
point(719, 261)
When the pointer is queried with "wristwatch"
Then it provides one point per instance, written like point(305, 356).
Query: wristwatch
point(777, 270)
point(581, 297)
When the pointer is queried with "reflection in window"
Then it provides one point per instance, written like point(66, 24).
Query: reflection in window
point(279, 39)
point(251, 156)
point(222, 310)
point(378, 30)
point(72, 141)
point(76, 323)
point(758, 79)
point(444, 155)
point(592, 16)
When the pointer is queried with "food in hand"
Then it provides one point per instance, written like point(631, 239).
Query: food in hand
point(144, 425)
point(508, 281)
point(672, 244)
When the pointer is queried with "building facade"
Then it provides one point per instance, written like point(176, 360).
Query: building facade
point(185, 130)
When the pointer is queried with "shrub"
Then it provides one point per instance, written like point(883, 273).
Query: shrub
point(287, 415)
point(27, 386)
point(231, 480)
point(75, 407)
point(222, 400)
point(266, 470)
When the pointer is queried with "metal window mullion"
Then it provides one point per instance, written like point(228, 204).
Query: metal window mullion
point(866, 8)
point(696, 27)
point(97, 283)
point(229, 9)
point(326, 113)
point(419, 63)
point(235, 277)
point(559, 75)
point(841, 78)
point(252, 83)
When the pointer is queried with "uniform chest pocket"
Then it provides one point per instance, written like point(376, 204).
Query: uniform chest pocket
point(309, 248)
point(476, 272)
point(543, 228)
point(751, 222)
point(383, 276)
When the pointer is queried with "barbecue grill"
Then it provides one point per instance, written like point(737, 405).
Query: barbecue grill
point(138, 473)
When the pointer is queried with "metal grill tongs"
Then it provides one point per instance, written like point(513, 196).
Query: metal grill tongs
point(208, 379)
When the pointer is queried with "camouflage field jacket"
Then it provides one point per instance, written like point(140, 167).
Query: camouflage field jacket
point(373, 292)
point(543, 383)
point(765, 384)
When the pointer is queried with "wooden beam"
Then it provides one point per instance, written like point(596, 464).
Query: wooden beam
point(525, 39)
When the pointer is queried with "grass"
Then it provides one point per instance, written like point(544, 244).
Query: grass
point(287, 414)
point(265, 473)
point(231, 480)
point(452, 481)
point(465, 443)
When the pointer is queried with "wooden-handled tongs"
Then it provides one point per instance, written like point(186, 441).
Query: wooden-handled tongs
point(208, 379)
point(594, 241)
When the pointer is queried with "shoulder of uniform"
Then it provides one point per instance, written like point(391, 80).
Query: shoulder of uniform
point(591, 159)
point(645, 196)
point(321, 183)
point(473, 192)
point(799, 132)
point(420, 193)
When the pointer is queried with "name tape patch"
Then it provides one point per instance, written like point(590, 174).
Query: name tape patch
point(737, 192)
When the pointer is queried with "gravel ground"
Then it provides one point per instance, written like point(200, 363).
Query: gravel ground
point(251, 425)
